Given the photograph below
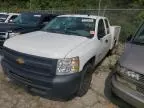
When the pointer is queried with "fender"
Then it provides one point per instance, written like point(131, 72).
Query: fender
point(85, 52)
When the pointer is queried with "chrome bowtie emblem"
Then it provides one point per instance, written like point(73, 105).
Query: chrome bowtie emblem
point(20, 60)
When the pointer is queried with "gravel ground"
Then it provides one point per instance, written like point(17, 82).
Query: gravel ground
point(12, 96)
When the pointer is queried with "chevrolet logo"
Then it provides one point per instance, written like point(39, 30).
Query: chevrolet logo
point(20, 60)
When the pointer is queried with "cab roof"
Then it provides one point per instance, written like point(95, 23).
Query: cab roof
point(86, 16)
point(3, 13)
point(39, 13)
point(13, 13)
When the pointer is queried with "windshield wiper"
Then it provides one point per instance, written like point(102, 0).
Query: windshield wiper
point(54, 31)
point(68, 32)
point(72, 33)
point(77, 34)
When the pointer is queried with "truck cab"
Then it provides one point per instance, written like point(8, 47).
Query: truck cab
point(63, 54)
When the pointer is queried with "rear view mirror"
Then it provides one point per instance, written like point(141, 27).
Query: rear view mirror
point(129, 38)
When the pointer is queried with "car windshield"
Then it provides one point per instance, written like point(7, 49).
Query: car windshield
point(3, 17)
point(27, 19)
point(140, 36)
point(79, 26)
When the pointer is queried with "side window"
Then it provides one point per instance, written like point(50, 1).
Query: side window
point(101, 28)
point(47, 19)
point(12, 18)
point(107, 26)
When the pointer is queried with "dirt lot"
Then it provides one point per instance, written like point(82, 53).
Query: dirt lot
point(11, 96)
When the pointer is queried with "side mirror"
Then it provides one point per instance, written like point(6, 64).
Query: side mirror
point(101, 35)
point(45, 23)
point(10, 21)
point(129, 38)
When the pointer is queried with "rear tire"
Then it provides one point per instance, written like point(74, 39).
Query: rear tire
point(86, 80)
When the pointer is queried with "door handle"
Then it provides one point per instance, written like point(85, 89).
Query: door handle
point(106, 41)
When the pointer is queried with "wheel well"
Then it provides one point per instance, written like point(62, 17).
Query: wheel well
point(91, 61)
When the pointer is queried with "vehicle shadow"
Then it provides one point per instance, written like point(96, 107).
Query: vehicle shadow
point(112, 97)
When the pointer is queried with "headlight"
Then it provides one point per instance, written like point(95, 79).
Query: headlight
point(67, 66)
point(13, 34)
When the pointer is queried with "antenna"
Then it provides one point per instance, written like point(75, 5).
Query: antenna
point(30, 4)
point(104, 10)
point(99, 7)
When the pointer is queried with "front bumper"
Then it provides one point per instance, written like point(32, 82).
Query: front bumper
point(58, 87)
point(130, 96)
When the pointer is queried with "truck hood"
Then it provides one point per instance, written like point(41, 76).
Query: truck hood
point(133, 58)
point(9, 27)
point(44, 44)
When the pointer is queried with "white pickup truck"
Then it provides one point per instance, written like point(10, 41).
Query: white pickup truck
point(58, 60)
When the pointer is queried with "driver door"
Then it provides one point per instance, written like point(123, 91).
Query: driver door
point(102, 38)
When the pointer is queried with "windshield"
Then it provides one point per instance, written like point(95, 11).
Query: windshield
point(3, 17)
point(27, 19)
point(140, 36)
point(78, 26)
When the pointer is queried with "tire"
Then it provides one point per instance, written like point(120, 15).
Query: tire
point(85, 80)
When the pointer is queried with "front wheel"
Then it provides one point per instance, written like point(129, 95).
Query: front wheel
point(86, 80)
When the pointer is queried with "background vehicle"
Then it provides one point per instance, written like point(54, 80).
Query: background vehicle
point(128, 78)
point(58, 61)
point(24, 23)
point(7, 17)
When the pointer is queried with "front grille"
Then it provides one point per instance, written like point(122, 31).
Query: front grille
point(2, 33)
point(141, 78)
point(35, 69)
point(140, 88)
point(139, 83)
point(3, 36)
